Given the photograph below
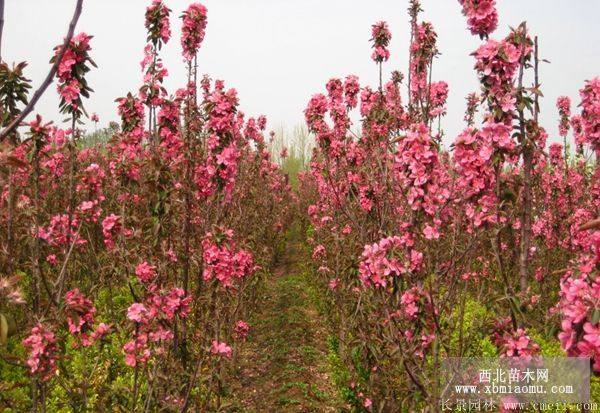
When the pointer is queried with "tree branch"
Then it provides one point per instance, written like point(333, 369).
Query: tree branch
point(49, 78)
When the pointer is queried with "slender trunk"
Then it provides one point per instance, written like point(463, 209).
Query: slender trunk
point(525, 220)
point(188, 189)
point(496, 242)
point(36, 253)
point(527, 150)
point(36, 224)
point(136, 373)
point(72, 169)
point(187, 225)
point(9, 223)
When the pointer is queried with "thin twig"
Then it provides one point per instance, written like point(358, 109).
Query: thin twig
point(188, 392)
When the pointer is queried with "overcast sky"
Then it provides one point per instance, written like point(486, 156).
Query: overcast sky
point(277, 53)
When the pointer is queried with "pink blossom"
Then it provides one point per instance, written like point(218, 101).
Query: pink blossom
point(431, 232)
point(176, 302)
point(438, 94)
point(517, 344)
point(145, 272)
point(71, 84)
point(101, 331)
point(157, 23)
point(80, 315)
point(380, 36)
point(563, 103)
point(220, 349)
point(137, 351)
point(422, 49)
point(224, 262)
point(241, 329)
point(192, 32)
point(380, 54)
point(137, 312)
point(333, 283)
point(43, 352)
point(482, 16)
point(590, 113)
point(390, 257)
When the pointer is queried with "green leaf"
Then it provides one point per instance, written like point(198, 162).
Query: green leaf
point(596, 316)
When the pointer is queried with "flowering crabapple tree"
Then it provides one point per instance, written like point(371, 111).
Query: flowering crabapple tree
point(429, 252)
point(132, 264)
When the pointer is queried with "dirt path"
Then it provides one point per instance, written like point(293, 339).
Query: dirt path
point(284, 367)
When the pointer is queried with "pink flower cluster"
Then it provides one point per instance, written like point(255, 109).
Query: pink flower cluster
point(472, 103)
point(241, 329)
point(80, 315)
point(152, 92)
point(579, 301)
point(590, 113)
point(145, 272)
point(111, 227)
point(220, 169)
point(71, 83)
point(315, 114)
point(157, 23)
point(422, 49)
point(221, 349)
point(438, 94)
point(223, 261)
point(192, 32)
point(419, 171)
point(389, 257)
point(127, 148)
point(411, 300)
point(482, 16)
point(473, 158)
point(90, 187)
point(152, 323)
point(59, 232)
point(497, 63)
point(168, 122)
point(563, 103)
point(137, 350)
point(131, 111)
point(351, 91)
point(517, 344)
point(380, 36)
point(43, 352)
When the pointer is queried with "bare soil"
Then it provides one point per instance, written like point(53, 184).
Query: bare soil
point(283, 367)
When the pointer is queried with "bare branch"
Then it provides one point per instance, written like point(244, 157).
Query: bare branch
point(49, 78)
point(595, 223)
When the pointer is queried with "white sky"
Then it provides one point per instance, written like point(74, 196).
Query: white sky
point(277, 53)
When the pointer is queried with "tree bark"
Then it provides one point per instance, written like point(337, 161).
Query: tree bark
point(527, 150)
